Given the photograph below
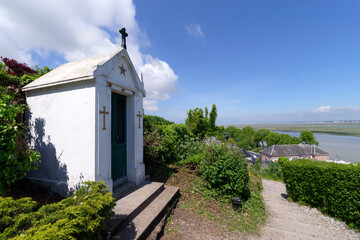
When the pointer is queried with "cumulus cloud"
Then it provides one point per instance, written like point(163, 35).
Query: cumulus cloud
point(79, 29)
point(194, 29)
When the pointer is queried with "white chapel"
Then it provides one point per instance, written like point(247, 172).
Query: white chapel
point(85, 119)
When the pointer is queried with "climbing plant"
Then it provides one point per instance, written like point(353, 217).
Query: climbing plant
point(16, 159)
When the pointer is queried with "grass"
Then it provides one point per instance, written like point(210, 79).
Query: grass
point(272, 172)
point(271, 177)
point(343, 129)
point(196, 197)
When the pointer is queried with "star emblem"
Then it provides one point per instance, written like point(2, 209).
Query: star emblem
point(122, 70)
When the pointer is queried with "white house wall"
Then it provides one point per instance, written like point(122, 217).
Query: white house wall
point(63, 130)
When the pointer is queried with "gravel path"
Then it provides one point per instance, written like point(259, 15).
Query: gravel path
point(288, 220)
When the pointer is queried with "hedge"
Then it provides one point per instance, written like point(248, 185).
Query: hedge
point(331, 187)
point(80, 216)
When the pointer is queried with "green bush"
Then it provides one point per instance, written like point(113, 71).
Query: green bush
point(272, 172)
point(192, 161)
point(16, 159)
point(153, 148)
point(173, 138)
point(333, 188)
point(226, 171)
point(80, 216)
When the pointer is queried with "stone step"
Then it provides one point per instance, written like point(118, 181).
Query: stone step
point(144, 223)
point(129, 206)
point(122, 189)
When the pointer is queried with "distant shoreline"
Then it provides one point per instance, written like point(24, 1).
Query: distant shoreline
point(328, 128)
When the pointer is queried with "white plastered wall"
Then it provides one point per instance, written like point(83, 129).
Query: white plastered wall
point(109, 79)
point(62, 129)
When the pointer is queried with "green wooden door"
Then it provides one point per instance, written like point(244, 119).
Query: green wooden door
point(118, 136)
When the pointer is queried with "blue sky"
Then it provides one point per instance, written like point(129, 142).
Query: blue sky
point(258, 61)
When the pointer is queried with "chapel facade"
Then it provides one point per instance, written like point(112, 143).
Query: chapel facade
point(85, 119)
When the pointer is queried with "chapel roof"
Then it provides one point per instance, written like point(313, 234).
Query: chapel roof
point(293, 150)
point(71, 72)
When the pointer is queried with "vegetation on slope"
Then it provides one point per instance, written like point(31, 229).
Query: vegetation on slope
point(15, 156)
point(208, 174)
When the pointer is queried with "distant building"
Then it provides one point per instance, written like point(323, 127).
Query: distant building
point(293, 152)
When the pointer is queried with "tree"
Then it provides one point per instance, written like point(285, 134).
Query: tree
point(308, 137)
point(261, 134)
point(196, 122)
point(213, 116)
point(234, 131)
point(272, 139)
point(285, 139)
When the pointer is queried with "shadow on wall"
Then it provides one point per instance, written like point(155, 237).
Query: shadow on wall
point(50, 172)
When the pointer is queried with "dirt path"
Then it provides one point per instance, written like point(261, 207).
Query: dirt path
point(289, 220)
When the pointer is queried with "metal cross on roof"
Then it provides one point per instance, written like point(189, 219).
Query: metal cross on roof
point(123, 37)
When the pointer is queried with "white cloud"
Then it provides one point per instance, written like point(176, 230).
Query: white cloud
point(322, 109)
point(80, 29)
point(194, 29)
point(336, 109)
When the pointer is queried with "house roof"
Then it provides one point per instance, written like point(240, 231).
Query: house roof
point(71, 72)
point(293, 150)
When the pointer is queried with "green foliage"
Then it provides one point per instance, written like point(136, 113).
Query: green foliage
point(272, 172)
point(212, 117)
point(151, 123)
point(226, 171)
point(308, 137)
point(283, 160)
point(200, 124)
point(79, 217)
point(249, 139)
point(332, 188)
point(170, 144)
point(192, 161)
point(197, 122)
point(153, 148)
point(15, 157)
point(173, 138)
point(272, 139)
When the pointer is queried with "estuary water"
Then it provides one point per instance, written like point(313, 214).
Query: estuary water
point(343, 148)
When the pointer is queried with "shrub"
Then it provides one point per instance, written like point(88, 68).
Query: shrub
point(15, 157)
point(272, 172)
point(226, 171)
point(153, 148)
point(192, 161)
point(173, 137)
point(331, 187)
point(80, 216)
